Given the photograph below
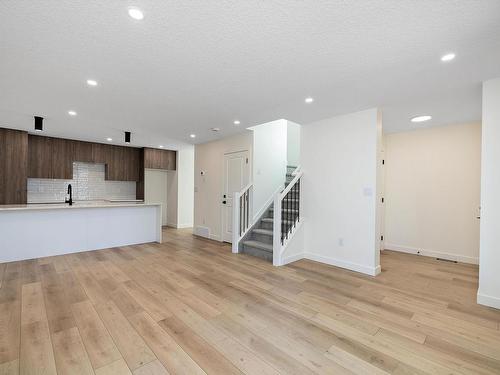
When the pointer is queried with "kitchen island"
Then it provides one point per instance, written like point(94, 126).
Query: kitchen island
point(39, 230)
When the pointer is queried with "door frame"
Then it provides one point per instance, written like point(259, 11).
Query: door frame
point(222, 183)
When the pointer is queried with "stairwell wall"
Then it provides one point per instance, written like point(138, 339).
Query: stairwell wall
point(269, 162)
point(339, 158)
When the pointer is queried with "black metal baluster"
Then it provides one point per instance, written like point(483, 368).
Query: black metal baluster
point(298, 202)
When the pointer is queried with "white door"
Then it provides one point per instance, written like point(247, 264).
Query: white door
point(236, 177)
point(155, 190)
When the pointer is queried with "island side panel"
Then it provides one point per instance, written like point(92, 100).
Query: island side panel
point(28, 234)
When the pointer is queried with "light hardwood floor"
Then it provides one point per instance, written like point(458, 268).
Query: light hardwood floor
point(189, 306)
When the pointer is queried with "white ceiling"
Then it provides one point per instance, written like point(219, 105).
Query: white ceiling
point(193, 65)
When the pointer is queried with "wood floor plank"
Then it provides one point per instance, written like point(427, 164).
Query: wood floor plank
point(10, 325)
point(152, 368)
point(32, 305)
point(70, 354)
point(98, 343)
point(37, 356)
point(10, 368)
point(212, 361)
point(115, 368)
point(168, 351)
point(132, 347)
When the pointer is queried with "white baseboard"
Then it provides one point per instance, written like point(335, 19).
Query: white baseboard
point(292, 258)
point(372, 271)
point(486, 300)
point(432, 253)
point(184, 226)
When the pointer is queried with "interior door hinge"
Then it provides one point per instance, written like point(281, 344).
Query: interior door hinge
point(383, 161)
point(381, 238)
point(246, 160)
point(382, 199)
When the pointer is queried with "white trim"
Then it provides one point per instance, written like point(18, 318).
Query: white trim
point(486, 300)
point(184, 226)
point(267, 204)
point(214, 237)
point(372, 271)
point(292, 258)
point(432, 253)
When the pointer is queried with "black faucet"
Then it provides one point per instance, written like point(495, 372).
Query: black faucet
point(70, 192)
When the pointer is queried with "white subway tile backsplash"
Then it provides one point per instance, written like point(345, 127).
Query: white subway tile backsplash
point(88, 184)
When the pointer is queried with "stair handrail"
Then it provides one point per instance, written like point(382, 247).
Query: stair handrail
point(298, 175)
point(278, 244)
point(242, 215)
point(296, 170)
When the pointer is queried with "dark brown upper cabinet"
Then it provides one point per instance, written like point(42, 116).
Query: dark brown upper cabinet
point(82, 152)
point(53, 158)
point(39, 157)
point(13, 166)
point(160, 159)
point(102, 153)
point(62, 158)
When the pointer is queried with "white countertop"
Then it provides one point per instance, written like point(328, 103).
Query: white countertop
point(76, 205)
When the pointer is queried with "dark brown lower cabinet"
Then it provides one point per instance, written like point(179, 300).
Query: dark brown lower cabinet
point(13, 166)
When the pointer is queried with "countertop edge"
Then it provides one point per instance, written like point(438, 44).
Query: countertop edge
point(44, 207)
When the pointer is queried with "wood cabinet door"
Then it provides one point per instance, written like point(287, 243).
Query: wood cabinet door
point(82, 152)
point(62, 158)
point(116, 164)
point(159, 159)
point(39, 157)
point(101, 153)
point(133, 162)
point(13, 166)
point(171, 160)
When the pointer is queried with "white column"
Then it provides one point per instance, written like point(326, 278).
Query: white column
point(489, 253)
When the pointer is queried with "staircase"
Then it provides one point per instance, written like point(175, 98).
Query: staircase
point(259, 240)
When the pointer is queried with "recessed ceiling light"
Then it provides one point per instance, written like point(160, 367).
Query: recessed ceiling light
point(421, 118)
point(109, 139)
point(160, 146)
point(72, 113)
point(192, 135)
point(135, 13)
point(309, 100)
point(236, 122)
point(91, 82)
point(448, 57)
point(215, 129)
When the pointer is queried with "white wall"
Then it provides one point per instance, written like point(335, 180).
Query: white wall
point(269, 162)
point(185, 187)
point(155, 190)
point(339, 160)
point(293, 144)
point(208, 157)
point(432, 191)
point(172, 197)
point(489, 254)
